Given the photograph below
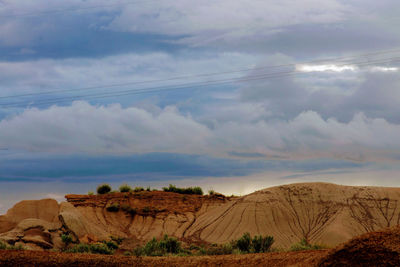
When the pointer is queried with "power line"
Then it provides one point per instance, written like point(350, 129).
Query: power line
point(340, 59)
point(183, 86)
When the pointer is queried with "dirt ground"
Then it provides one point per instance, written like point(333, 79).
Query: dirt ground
point(46, 259)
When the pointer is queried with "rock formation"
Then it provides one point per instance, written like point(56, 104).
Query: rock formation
point(318, 212)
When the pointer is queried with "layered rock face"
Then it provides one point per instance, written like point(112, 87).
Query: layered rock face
point(319, 212)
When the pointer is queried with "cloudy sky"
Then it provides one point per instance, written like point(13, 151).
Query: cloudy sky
point(230, 95)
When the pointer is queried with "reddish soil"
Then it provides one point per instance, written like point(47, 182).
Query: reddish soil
point(381, 248)
point(157, 201)
point(46, 259)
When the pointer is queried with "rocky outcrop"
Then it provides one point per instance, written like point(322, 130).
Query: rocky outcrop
point(318, 212)
point(34, 224)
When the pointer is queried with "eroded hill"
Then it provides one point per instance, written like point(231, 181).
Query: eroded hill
point(319, 212)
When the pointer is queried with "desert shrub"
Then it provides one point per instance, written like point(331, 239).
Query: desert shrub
point(128, 209)
point(91, 248)
point(224, 249)
point(146, 209)
point(15, 247)
point(170, 244)
point(90, 193)
point(103, 189)
point(189, 190)
point(111, 244)
point(114, 207)
point(261, 243)
point(66, 239)
point(243, 243)
point(3, 245)
point(211, 192)
point(305, 245)
point(12, 247)
point(138, 189)
point(138, 251)
point(101, 249)
point(148, 189)
point(127, 253)
point(125, 188)
point(117, 239)
point(167, 245)
point(194, 247)
point(257, 244)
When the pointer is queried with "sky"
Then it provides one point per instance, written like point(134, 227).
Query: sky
point(229, 95)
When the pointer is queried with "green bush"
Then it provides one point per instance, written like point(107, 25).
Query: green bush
point(125, 188)
point(211, 192)
point(103, 189)
point(91, 248)
point(257, 244)
point(117, 239)
point(66, 239)
point(261, 243)
point(3, 245)
point(189, 190)
point(111, 244)
point(244, 243)
point(167, 245)
point(90, 193)
point(114, 207)
point(148, 189)
point(101, 249)
point(305, 245)
point(128, 209)
point(12, 247)
point(224, 249)
point(15, 247)
point(138, 189)
point(79, 248)
point(146, 209)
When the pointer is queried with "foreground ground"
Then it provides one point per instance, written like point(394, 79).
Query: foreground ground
point(276, 259)
point(380, 248)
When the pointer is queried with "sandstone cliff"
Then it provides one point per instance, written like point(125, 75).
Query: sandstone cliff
point(319, 212)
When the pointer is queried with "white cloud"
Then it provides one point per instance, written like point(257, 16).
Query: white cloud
point(47, 74)
point(209, 21)
point(83, 128)
point(322, 68)
point(383, 69)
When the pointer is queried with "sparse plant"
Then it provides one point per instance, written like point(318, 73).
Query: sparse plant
point(111, 244)
point(3, 245)
point(66, 239)
point(103, 189)
point(305, 245)
point(211, 192)
point(189, 190)
point(117, 239)
point(114, 207)
point(243, 243)
point(167, 245)
point(127, 253)
point(146, 209)
point(148, 189)
point(125, 188)
point(98, 248)
point(128, 209)
point(90, 193)
point(261, 243)
point(138, 189)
